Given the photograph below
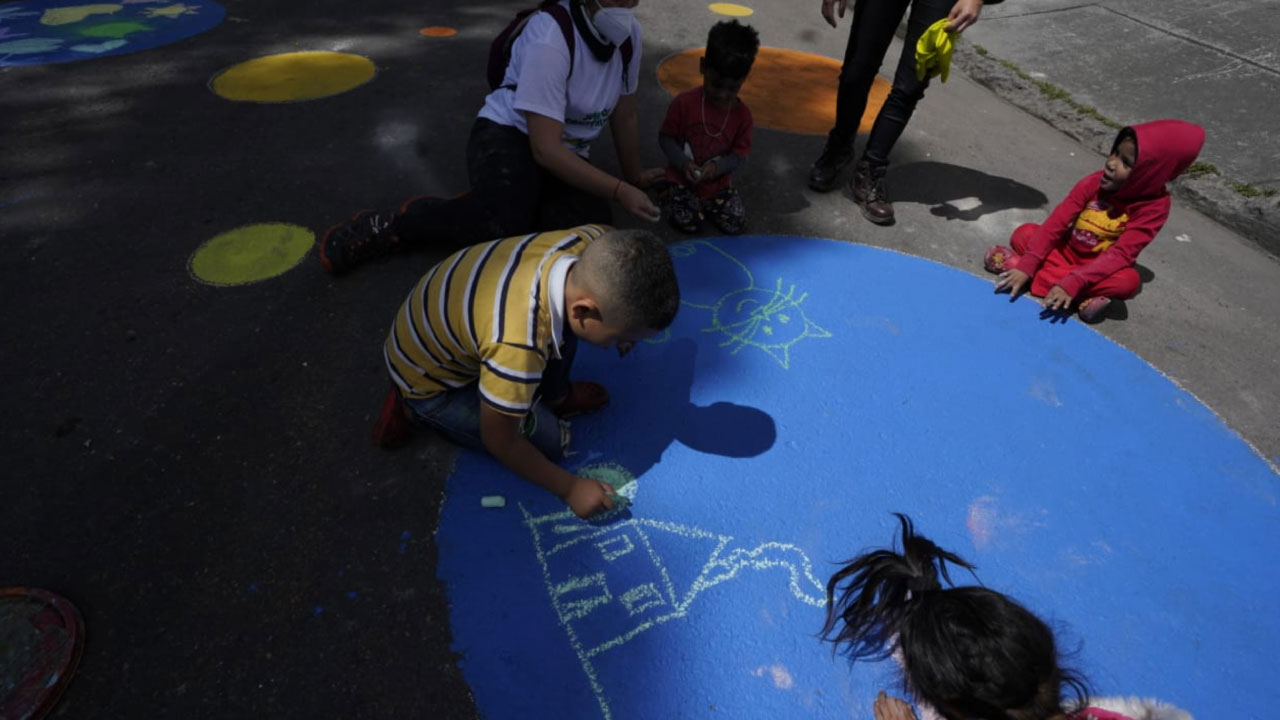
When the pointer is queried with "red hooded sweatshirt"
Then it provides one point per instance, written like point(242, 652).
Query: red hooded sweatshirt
point(1104, 232)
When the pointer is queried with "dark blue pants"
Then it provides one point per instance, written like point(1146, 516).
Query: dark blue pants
point(511, 194)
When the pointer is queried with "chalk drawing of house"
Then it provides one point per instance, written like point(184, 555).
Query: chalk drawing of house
point(609, 584)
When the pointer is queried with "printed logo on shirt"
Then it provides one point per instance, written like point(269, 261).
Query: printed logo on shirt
point(594, 120)
point(1097, 228)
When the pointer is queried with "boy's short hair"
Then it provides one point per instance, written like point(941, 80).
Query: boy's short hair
point(632, 278)
point(731, 48)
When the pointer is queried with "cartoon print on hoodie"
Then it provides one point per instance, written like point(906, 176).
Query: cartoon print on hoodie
point(1112, 708)
point(1130, 708)
point(1104, 232)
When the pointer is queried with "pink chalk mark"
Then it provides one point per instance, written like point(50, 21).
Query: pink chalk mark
point(981, 521)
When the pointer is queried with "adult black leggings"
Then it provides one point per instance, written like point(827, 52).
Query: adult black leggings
point(510, 194)
point(874, 22)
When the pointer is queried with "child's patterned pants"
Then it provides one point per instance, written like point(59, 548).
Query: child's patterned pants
point(686, 212)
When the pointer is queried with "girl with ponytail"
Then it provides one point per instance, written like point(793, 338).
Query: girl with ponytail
point(967, 653)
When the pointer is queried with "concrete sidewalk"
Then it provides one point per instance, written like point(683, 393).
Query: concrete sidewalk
point(1215, 64)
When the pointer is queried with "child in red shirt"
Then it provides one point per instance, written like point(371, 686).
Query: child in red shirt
point(1085, 252)
point(707, 134)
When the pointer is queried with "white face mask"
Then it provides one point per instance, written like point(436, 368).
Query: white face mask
point(613, 23)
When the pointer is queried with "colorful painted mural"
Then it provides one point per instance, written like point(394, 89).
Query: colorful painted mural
point(802, 394)
point(36, 32)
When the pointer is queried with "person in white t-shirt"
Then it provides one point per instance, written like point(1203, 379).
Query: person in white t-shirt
point(528, 154)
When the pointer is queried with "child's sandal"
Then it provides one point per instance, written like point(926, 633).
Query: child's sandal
point(1092, 309)
point(999, 258)
point(583, 398)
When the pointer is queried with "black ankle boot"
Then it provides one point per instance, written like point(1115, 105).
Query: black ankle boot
point(824, 176)
point(869, 192)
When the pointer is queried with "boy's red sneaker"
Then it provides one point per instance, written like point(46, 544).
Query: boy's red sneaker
point(999, 258)
point(583, 398)
point(365, 236)
point(393, 426)
point(1092, 309)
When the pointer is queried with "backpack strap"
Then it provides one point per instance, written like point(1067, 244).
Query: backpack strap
point(561, 16)
point(626, 49)
point(565, 22)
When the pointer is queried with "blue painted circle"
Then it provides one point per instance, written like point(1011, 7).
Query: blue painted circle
point(806, 389)
point(36, 32)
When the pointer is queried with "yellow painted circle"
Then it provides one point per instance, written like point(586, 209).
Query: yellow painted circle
point(251, 253)
point(786, 90)
point(730, 9)
point(290, 77)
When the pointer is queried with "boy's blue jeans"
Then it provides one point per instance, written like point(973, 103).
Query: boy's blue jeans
point(456, 414)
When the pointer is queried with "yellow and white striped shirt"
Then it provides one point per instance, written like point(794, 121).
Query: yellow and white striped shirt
point(484, 313)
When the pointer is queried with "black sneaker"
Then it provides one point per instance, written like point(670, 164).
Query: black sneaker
point(365, 236)
point(824, 176)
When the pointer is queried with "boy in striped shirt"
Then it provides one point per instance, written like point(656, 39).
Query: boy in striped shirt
point(482, 348)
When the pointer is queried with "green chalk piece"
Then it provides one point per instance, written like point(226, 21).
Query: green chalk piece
point(493, 501)
point(622, 482)
point(620, 502)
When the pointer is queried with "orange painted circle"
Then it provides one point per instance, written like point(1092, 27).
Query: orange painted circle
point(786, 90)
point(437, 31)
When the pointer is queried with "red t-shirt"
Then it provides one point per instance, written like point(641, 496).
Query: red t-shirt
point(710, 135)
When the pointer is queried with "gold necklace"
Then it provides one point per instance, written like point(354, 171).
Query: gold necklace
point(704, 118)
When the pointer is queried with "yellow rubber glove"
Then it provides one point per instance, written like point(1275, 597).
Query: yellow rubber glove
point(933, 51)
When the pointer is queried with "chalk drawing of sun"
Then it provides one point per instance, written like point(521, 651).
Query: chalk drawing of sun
point(769, 319)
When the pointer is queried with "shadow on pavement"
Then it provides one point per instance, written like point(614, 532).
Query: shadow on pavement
point(951, 189)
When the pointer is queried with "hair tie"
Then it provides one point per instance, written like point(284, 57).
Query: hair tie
point(921, 584)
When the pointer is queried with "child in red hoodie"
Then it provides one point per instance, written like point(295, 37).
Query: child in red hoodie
point(1083, 255)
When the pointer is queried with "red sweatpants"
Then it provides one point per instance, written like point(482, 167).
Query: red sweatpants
point(1120, 285)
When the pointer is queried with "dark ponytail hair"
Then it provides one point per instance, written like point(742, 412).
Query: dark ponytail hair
point(964, 650)
point(883, 589)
